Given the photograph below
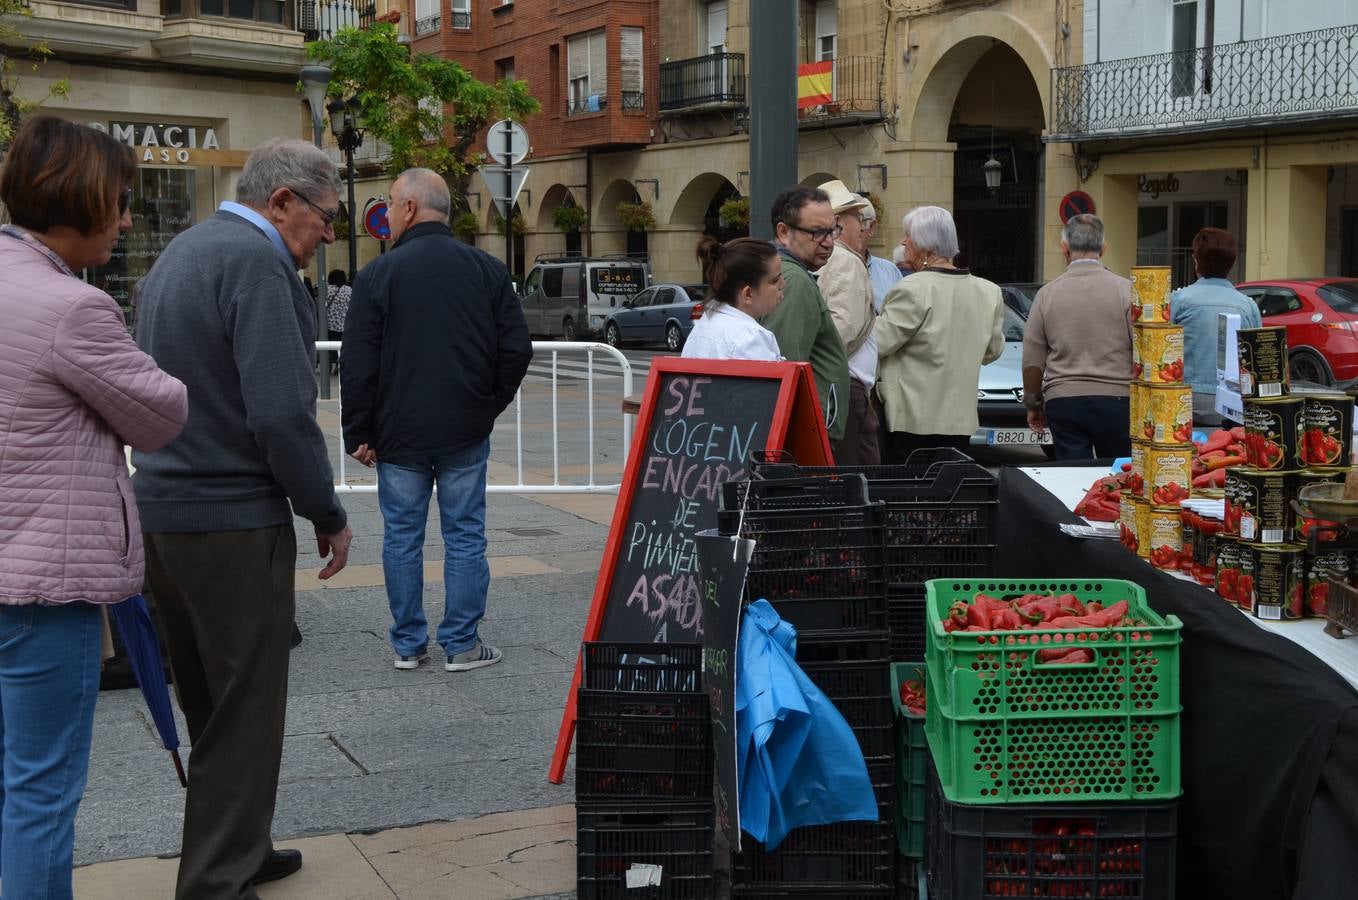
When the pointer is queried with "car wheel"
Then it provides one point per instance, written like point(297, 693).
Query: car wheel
point(568, 330)
point(674, 338)
point(612, 336)
point(1303, 365)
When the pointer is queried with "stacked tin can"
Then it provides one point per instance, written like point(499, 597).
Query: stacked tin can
point(1161, 424)
point(1291, 440)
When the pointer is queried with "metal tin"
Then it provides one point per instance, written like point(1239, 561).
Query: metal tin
point(1331, 562)
point(1263, 361)
point(1163, 537)
point(1228, 568)
point(1302, 526)
point(1167, 470)
point(1136, 523)
point(1263, 510)
point(1166, 414)
point(1136, 481)
point(1136, 405)
point(1327, 430)
point(1279, 581)
point(1231, 511)
point(1150, 294)
point(1273, 433)
point(1161, 351)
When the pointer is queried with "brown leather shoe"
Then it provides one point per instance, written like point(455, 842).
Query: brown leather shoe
point(280, 864)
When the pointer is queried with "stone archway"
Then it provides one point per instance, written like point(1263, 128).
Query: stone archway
point(694, 208)
point(550, 237)
point(816, 179)
point(609, 235)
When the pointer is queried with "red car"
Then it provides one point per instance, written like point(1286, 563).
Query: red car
point(1321, 316)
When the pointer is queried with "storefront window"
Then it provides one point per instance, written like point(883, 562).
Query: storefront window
point(271, 12)
point(164, 203)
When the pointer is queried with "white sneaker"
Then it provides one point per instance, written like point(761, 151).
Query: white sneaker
point(412, 662)
point(482, 654)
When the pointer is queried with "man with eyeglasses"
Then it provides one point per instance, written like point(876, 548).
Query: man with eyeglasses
point(805, 230)
point(225, 311)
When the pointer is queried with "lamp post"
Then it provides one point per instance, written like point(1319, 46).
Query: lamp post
point(349, 138)
point(315, 81)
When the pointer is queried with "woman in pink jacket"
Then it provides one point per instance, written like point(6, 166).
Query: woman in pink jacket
point(73, 389)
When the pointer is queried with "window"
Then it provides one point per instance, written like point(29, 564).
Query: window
point(504, 69)
point(714, 27)
point(827, 26)
point(461, 14)
point(551, 282)
point(1342, 296)
point(433, 107)
point(643, 299)
point(268, 11)
point(1184, 43)
point(664, 297)
point(633, 93)
point(1277, 301)
point(587, 78)
point(427, 19)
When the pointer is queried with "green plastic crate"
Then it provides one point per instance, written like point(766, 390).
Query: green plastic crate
point(912, 762)
point(1005, 728)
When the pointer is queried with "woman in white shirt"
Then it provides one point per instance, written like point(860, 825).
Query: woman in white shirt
point(746, 282)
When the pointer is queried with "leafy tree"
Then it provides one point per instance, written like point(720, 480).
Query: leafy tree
point(31, 56)
point(427, 109)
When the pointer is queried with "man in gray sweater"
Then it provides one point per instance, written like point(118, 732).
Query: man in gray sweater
point(224, 311)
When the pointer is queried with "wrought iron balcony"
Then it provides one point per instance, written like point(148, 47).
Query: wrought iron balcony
point(717, 79)
point(1294, 77)
point(428, 25)
point(323, 19)
point(856, 94)
point(461, 20)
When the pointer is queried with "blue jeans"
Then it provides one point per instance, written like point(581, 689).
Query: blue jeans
point(1091, 427)
point(49, 681)
point(403, 496)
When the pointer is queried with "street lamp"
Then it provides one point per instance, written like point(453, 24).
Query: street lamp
point(315, 81)
point(349, 138)
point(991, 169)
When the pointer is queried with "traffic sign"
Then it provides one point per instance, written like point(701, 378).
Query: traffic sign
point(504, 193)
point(375, 220)
point(1076, 203)
point(517, 149)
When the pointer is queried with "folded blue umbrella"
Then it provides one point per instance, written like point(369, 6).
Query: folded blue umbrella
point(143, 653)
point(798, 760)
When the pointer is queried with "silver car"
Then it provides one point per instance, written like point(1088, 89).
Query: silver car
point(999, 394)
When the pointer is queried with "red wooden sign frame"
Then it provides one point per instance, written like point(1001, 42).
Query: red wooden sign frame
point(798, 426)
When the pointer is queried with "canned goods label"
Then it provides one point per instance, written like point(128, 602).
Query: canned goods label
point(1273, 431)
point(1263, 361)
point(1136, 478)
point(1161, 350)
point(1164, 536)
point(1167, 416)
point(1327, 432)
point(1303, 526)
point(1136, 403)
point(1332, 563)
point(1279, 580)
point(1137, 368)
point(1138, 538)
point(1262, 501)
point(1150, 294)
point(1168, 472)
point(1228, 568)
point(1230, 517)
point(1127, 533)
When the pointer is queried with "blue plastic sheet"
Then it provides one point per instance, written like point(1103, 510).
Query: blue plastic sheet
point(798, 760)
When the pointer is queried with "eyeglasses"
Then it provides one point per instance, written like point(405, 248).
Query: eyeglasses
point(327, 216)
point(124, 201)
point(819, 234)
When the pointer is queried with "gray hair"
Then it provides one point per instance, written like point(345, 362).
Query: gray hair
point(427, 188)
point(931, 229)
point(1084, 233)
point(286, 163)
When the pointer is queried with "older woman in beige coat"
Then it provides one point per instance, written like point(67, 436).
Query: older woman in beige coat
point(936, 329)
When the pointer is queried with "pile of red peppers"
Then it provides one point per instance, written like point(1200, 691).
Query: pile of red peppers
point(1039, 612)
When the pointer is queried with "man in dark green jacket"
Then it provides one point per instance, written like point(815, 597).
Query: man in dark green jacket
point(805, 229)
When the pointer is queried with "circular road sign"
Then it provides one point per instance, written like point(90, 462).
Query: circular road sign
point(518, 143)
point(1076, 203)
point(375, 220)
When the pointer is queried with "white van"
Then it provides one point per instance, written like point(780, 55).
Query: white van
point(572, 296)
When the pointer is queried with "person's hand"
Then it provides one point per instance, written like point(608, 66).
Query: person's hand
point(335, 546)
point(365, 454)
point(1037, 420)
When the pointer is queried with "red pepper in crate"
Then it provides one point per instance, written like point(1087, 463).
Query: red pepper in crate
point(912, 696)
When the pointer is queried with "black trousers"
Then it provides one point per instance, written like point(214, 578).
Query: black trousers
point(1089, 427)
point(226, 600)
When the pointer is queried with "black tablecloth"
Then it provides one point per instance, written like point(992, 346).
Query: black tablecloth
point(1269, 732)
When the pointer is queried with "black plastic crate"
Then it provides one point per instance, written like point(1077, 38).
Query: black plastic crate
point(843, 857)
point(905, 620)
point(853, 671)
point(610, 840)
point(810, 892)
point(908, 567)
point(795, 493)
point(781, 464)
point(1049, 850)
point(642, 747)
point(666, 668)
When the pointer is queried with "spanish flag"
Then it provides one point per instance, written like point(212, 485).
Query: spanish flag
point(815, 83)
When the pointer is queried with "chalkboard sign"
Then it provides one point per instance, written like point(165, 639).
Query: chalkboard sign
point(700, 420)
point(723, 563)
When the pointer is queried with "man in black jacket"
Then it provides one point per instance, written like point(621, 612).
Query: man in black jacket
point(435, 346)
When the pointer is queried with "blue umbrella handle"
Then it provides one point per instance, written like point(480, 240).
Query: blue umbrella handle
point(179, 767)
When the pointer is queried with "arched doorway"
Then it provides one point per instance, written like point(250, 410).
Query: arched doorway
point(816, 179)
point(699, 206)
point(634, 243)
point(496, 225)
point(558, 196)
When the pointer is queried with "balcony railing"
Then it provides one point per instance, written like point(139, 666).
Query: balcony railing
point(323, 19)
point(633, 102)
point(1310, 75)
point(712, 80)
point(428, 25)
point(592, 103)
point(856, 93)
point(461, 20)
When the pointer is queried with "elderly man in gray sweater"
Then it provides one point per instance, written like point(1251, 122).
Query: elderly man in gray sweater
point(224, 311)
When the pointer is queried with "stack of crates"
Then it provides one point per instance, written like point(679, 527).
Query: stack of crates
point(1051, 779)
point(643, 774)
point(820, 560)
